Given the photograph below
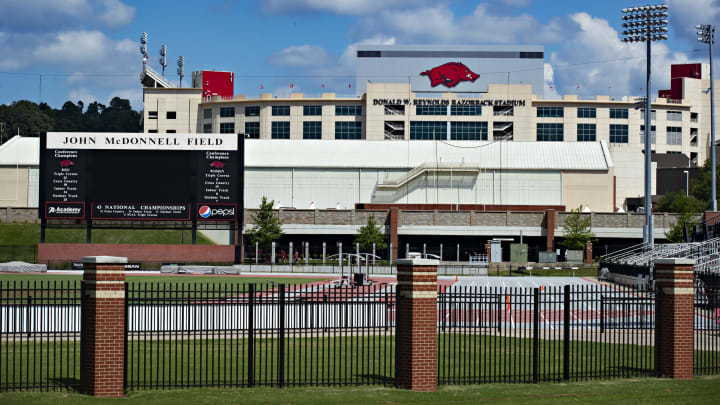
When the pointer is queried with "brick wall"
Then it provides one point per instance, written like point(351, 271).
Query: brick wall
point(21, 215)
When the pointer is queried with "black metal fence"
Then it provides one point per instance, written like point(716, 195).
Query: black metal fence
point(707, 323)
point(18, 253)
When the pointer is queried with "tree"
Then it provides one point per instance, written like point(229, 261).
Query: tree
point(369, 234)
point(577, 230)
point(686, 221)
point(679, 202)
point(267, 227)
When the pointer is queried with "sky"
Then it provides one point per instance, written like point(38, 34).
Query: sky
point(88, 50)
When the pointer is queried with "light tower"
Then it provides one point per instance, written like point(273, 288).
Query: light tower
point(143, 48)
point(706, 35)
point(180, 68)
point(646, 24)
point(163, 59)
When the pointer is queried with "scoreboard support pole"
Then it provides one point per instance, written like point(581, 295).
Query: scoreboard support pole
point(88, 231)
point(43, 225)
point(194, 232)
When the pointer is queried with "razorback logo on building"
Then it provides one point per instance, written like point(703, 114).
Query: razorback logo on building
point(450, 74)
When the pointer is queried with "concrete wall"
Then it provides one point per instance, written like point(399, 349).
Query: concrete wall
point(27, 215)
point(65, 252)
point(583, 189)
point(14, 186)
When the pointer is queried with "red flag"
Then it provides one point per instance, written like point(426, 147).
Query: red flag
point(349, 85)
point(292, 85)
point(322, 85)
point(261, 86)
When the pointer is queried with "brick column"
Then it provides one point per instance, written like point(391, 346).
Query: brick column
point(488, 251)
point(550, 230)
point(588, 253)
point(394, 221)
point(103, 326)
point(674, 318)
point(416, 333)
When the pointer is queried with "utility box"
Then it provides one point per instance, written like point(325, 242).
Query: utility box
point(574, 256)
point(547, 257)
point(495, 252)
point(518, 253)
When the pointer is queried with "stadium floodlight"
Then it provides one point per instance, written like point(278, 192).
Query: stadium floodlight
point(648, 24)
point(143, 48)
point(706, 35)
point(163, 58)
point(181, 69)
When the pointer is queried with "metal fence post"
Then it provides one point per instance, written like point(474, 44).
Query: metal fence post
point(281, 336)
point(536, 333)
point(307, 253)
point(373, 261)
point(407, 250)
point(566, 332)
point(324, 252)
point(257, 248)
point(272, 255)
point(292, 262)
point(127, 328)
point(441, 252)
point(458, 253)
point(251, 332)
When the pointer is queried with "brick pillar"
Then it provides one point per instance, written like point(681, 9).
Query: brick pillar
point(488, 251)
point(394, 220)
point(103, 326)
point(550, 230)
point(674, 318)
point(588, 253)
point(416, 332)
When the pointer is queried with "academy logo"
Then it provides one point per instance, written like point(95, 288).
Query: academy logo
point(217, 212)
point(450, 74)
point(64, 210)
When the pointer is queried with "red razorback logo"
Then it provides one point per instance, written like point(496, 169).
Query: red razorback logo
point(450, 74)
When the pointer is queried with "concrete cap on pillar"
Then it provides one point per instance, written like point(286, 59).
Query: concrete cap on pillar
point(673, 260)
point(418, 262)
point(104, 259)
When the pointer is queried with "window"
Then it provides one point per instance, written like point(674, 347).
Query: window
point(312, 130)
point(503, 111)
point(348, 130)
point(674, 135)
point(227, 112)
point(348, 110)
point(673, 152)
point(394, 109)
point(587, 112)
point(312, 110)
point(170, 115)
point(549, 111)
point(170, 131)
point(207, 128)
point(280, 130)
point(468, 131)
point(674, 115)
point(252, 130)
point(619, 113)
point(428, 130)
point(227, 127)
point(618, 133)
point(586, 132)
point(431, 110)
point(652, 134)
point(465, 110)
point(207, 113)
point(253, 111)
point(550, 132)
point(152, 115)
point(280, 110)
point(152, 131)
point(653, 114)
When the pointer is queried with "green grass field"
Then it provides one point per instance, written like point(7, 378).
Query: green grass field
point(29, 234)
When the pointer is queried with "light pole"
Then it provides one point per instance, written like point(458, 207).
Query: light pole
point(687, 182)
point(706, 34)
point(646, 24)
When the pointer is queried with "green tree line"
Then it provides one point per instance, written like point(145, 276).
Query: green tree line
point(31, 119)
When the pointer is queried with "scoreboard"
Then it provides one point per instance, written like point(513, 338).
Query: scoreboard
point(141, 176)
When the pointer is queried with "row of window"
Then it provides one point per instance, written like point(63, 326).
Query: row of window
point(470, 110)
point(459, 131)
point(281, 129)
point(284, 110)
point(591, 112)
point(588, 133)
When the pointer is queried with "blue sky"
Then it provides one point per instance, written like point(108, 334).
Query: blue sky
point(88, 49)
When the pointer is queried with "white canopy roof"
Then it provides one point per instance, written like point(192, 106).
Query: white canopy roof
point(23, 151)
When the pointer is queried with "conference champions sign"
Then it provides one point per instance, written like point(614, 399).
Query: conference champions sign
point(110, 177)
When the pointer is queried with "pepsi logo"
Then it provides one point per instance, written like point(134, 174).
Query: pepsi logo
point(204, 211)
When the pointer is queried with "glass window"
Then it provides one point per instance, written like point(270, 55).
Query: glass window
point(252, 111)
point(550, 132)
point(348, 110)
point(348, 130)
point(312, 110)
point(152, 115)
point(280, 110)
point(619, 113)
point(170, 131)
point(428, 130)
point(280, 130)
point(431, 110)
point(618, 133)
point(227, 111)
point(549, 111)
point(652, 134)
point(207, 128)
point(586, 132)
point(153, 131)
point(207, 113)
point(227, 127)
point(587, 112)
point(674, 135)
point(252, 130)
point(465, 110)
point(312, 130)
point(171, 115)
point(674, 115)
point(468, 131)
point(653, 114)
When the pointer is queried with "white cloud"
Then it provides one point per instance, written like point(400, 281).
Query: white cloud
point(686, 14)
point(115, 13)
point(82, 94)
point(351, 7)
point(549, 87)
point(53, 15)
point(517, 3)
point(303, 55)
